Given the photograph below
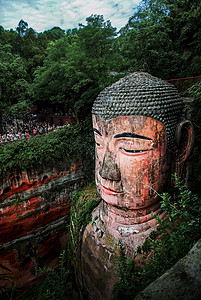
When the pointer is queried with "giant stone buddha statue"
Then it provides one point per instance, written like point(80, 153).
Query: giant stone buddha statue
point(141, 138)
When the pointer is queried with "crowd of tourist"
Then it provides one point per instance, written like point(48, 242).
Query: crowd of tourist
point(17, 129)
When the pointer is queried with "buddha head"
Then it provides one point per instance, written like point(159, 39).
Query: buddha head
point(141, 138)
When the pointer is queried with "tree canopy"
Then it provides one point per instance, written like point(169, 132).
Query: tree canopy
point(163, 38)
point(77, 66)
point(14, 87)
point(70, 67)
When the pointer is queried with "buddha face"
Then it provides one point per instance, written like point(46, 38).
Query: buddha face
point(131, 162)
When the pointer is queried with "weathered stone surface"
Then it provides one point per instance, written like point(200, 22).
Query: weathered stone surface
point(98, 253)
point(143, 95)
point(100, 248)
point(141, 140)
point(34, 212)
point(181, 282)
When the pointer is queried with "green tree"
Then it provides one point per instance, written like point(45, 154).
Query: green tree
point(22, 27)
point(33, 47)
point(185, 28)
point(51, 82)
point(14, 87)
point(195, 92)
point(146, 44)
point(28, 44)
point(96, 39)
point(76, 67)
point(54, 34)
point(163, 38)
point(12, 38)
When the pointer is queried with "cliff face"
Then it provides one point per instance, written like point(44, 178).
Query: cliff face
point(34, 212)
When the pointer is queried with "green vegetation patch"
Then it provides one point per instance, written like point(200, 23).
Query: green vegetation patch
point(175, 236)
point(195, 180)
point(64, 146)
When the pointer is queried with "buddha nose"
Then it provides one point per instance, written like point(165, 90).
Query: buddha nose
point(109, 169)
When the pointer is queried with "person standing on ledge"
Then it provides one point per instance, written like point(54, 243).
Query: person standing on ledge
point(141, 138)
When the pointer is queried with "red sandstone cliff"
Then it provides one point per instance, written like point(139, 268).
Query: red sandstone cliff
point(34, 212)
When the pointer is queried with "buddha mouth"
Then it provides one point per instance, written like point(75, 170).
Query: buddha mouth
point(110, 191)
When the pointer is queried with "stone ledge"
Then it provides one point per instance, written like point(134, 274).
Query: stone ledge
point(181, 282)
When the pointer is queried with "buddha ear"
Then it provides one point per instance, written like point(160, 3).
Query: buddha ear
point(184, 138)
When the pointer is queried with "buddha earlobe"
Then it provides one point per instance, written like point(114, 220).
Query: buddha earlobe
point(184, 139)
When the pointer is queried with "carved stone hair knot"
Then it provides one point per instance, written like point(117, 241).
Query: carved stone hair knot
point(142, 94)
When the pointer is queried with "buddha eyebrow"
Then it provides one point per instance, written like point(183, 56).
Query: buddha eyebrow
point(131, 135)
point(97, 131)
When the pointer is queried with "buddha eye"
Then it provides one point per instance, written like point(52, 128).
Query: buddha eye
point(98, 145)
point(130, 151)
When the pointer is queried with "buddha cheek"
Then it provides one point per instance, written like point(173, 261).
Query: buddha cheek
point(141, 179)
point(134, 177)
point(97, 169)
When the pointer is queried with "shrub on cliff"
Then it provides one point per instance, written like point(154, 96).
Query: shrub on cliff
point(175, 236)
point(67, 146)
point(195, 92)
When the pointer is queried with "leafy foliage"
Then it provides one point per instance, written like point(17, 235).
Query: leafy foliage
point(14, 87)
point(68, 146)
point(56, 284)
point(54, 34)
point(70, 68)
point(84, 201)
point(76, 68)
point(160, 38)
point(174, 237)
point(195, 92)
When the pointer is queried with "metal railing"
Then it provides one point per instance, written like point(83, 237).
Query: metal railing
point(190, 81)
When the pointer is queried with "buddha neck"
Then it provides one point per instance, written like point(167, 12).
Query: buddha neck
point(112, 214)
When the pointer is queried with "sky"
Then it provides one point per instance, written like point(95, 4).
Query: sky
point(67, 14)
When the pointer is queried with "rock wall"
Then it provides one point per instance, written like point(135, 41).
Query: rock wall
point(34, 213)
point(181, 282)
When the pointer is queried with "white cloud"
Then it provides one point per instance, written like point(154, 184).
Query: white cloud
point(45, 14)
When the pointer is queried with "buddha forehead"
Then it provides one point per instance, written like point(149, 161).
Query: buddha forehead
point(142, 94)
